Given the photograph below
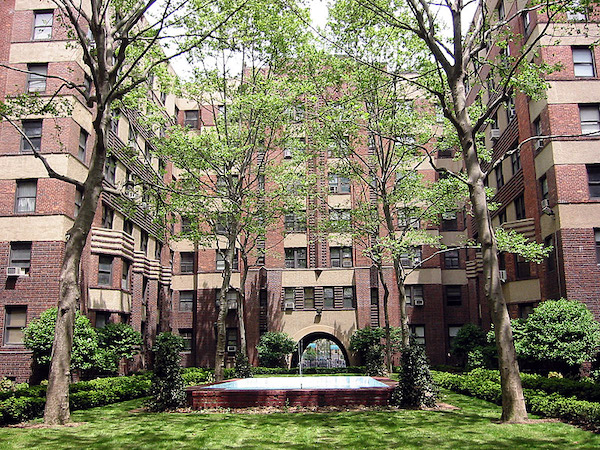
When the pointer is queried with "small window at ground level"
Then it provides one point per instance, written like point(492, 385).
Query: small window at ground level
point(186, 335)
point(418, 333)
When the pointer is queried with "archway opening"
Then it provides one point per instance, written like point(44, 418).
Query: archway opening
point(320, 350)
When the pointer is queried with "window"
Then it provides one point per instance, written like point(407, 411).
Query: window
point(15, 319)
point(593, 172)
point(110, 168)
point(125, 275)
point(522, 267)
point(186, 300)
point(515, 161)
point(499, 176)
point(42, 25)
point(544, 187)
point(20, 255)
point(453, 295)
point(452, 332)
point(78, 201)
point(221, 261)
point(525, 309)
point(520, 207)
point(186, 225)
point(348, 297)
point(128, 227)
point(147, 151)
point(114, 121)
point(583, 62)
point(186, 335)
point(231, 338)
point(526, 22)
point(25, 196)
point(87, 84)
point(449, 221)
point(500, 9)
point(102, 319)
point(295, 258)
point(289, 296)
point(339, 217)
point(511, 112)
point(577, 13)
point(190, 119)
point(417, 332)
point(341, 256)
point(338, 184)
point(309, 298)
point(414, 293)
point(328, 298)
point(144, 242)
point(231, 298)
point(502, 216)
point(107, 217)
point(408, 218)
point(589, 115)
point(551, 259)
point(157, 250)
point(295, 223)
point(597, 239)
point(36, 78)
point(451, 259)
point(33, 130)
point(411, 257)
point(105, 270)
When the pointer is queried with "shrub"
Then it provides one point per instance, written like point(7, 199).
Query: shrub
point(116, 341)
point(167, 383)
point(242, 366)
point(367, 344)
point(193, 376)
point(39, 334)
point(560, 332)
point(416, 387)
point(468, 338)
point(273, 348)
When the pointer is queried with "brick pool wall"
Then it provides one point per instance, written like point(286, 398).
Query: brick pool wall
point(199, 397)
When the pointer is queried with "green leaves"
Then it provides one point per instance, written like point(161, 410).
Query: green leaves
point(512, 242)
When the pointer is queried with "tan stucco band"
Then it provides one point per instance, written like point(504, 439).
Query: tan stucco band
point(454, 277)
point(43, 52)
point(205, 281)
point(294, 240)
point(308, 277)
point(35, 228)
point(582, 215)
point(425, 276)
point(27, 166)
point(339, 201)
point(522, 291)
point(109, 300)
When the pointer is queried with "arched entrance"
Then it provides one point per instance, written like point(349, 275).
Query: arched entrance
point(321, 349)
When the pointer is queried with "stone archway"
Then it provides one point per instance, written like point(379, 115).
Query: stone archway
point(312, 334)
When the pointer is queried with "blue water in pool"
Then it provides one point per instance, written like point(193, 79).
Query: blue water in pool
point(336, 382)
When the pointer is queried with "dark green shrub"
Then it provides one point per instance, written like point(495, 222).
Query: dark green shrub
point(115, 342)
point(416, 387)
point(468, 338)
point(21, 409)
point(367, 343)
point(243, 369)
point(273, 348)
point(193, 376)
point(167, 383)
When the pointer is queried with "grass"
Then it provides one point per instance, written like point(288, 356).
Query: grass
point(473, 426)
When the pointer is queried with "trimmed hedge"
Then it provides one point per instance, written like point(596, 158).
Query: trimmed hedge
point(481, 385)
point(28, 403)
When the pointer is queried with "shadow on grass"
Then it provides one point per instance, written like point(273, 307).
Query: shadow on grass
point(471, 426)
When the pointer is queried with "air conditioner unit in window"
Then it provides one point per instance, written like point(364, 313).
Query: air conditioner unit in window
point(289, 305)
point(538, 144)
point(231, 348)
point(231, 304)
point(419, 302)
point(502, 275)
point(333, 189)
point(15, 271)
point(495, 133)
point(545, 203)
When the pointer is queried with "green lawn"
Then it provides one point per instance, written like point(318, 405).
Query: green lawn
point(473, 426)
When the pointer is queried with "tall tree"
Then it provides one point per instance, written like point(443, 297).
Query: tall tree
point(439, 59)
point(229, 188)
point(119, 43)
point(381, 136)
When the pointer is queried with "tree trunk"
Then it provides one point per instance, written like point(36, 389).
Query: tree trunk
point(386, 319)
point(241, 303)
point(223, 309)
point(513, 402)
point(57, 395)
